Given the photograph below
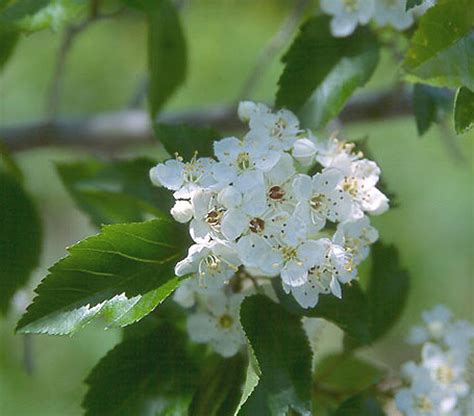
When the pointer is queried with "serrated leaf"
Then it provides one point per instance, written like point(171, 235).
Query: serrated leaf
point(220, 388)
point(430, 104)
point(350, 313)
point(464, 110)
point(114, 192)
point(186, 140)
point(387, 290)
point(8, 41)
point(121, 274)
point(252, 378)
point(345, 374)
point(149, 375)
point(284, 358)
point(441, 52)
point(20, 238)
point(321, 72)
point(167, 55)
point(360, 405)
point(412, 3)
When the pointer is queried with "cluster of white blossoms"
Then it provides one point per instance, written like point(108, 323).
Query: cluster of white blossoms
point(254, 210)
point(348, 14)
point(438, 384)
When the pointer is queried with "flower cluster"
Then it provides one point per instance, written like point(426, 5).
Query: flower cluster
point(259, 210)
point(438, 384)
point(347, 14)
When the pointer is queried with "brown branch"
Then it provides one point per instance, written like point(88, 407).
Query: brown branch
point(114, 131)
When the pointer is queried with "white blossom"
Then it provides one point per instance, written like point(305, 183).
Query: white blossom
point(393, 13)
point(217, 322)
point(347, 14)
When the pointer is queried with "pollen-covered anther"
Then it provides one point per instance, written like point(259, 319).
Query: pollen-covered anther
point(256, 225)
point(276, 193)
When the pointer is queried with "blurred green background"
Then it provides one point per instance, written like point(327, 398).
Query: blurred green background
point(433, 225)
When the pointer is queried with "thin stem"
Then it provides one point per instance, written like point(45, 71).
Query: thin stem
point(272, 49)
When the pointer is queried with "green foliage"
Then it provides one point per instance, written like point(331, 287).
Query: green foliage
point(360, 405)
point(121, 274)
point(464, 110)
point(8, 40)
point(34, 15)
point(430, 104)
point(346, 374)
point(149, 375)
point(220, 388)
point(116, 191)
point(284, 358)
point(412, 3)
point(350, 313)
point(364, 317)
point(20, 238)
point(387, 290)
point(186, 140)
point(441, 52)
point(321, 72)
point(167, 59)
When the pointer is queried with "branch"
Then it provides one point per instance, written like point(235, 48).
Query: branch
point(114, 131)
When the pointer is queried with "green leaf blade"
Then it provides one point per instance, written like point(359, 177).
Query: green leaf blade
point(167, 55)
point(121, 274)
point(114, 192)
point(20, 238)
point(186, 140)
point(284, 358)
point(146, 375)
point(412, 3)
point(441, 52)
point(464, 110)
point(387, 290)
point(322, 72)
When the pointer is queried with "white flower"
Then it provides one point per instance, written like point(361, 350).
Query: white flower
point(393, 13)
point(324, 276)
point(304, 151)
point(277, 130)
point(423, 7)
point(320, 199)
point(215, 263)
point(356, 236)
point(360, 178)
point(436, 320)
point(347, 14)
point(182, 211)
point(242, 163)
point(458, 337)
point(424, 398)
point(446, 369)
point(217, 323)
point(183, 177)
point(334, 152)
point(208, 213)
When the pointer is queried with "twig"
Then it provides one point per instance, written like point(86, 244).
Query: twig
point(272, 48)
point(114, 131)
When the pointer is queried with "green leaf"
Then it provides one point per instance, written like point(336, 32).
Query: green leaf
point(20, 238)
point(114, 192)
point(186, 140)
point(149, 375)
point(34, 15)
point(387, 290)
point(8, 163)
point(430, 104)
point(323, 71)
point(350, 313)
point(121, 274)
point(220, 388)
point(283, 355)
point(441, 52)
point(412, 3)
point(251, 380)
point(8, 41)
point(167, 60)
point(360, 405)
point(464, 110)
point(345, 374)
